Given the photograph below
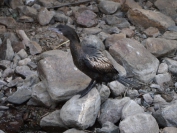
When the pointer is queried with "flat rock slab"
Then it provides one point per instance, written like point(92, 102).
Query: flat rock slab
point(160, 47)
point(140, 123)
point(81, 112)
point(147, 18)
point(61, 77)
point(136, 59)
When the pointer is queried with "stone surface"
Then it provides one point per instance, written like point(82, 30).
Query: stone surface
point(22, 54)
point(167, 116)
point(15, 3)
point(8, 21)
point(73, 130)
point(45, 16)
point(144, 123)
point(25, 19)
point(111, 110)
point(128, 32)
point(162, 78)
point(147, 98)
point(94, 41)
point(131, 108)
point(81, 112)
point(117, 89)
point(152, 32)
point(87, 18)
point(160, 47)
point(170, 35)
point(20, 96)
point(163, 68)
point(40, 94)
point(28, 11)
point(108, 127)
point(149, 19)
point(53, 122)
point(59, 17)
point(104, 92)
point(109, 7)
point(62, 78)
point(169, 130)
point(135, 58)
point(130, 4)
point(24, 71)
point(24, 62)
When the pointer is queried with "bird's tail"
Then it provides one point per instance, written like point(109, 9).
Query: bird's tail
point(125, 81)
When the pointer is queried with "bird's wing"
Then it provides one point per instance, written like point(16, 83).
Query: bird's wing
point(96, 61)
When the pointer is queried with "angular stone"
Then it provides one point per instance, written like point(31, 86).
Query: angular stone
point(8, 21)
point(40, 94)
point(135, 58)
point(24, 62)
point(163, 68)
point(162, 78)
point(8, 72)
point(22, 54)
point(128, 32)
point(152, 32)
point(47, 3)
point(20, 96)
point(169, 130)
point(111, 110)
point(170, 62)
point(81, 112)
point(104, 92)
point(170, 35)
point(116, 88)
point(130, 4)
point(103, 36)
point(28, 11)
point(131, 108)
point(35, 48)
point(132, 93)
point(17, 46)
point(25, 71)
point(147, 98)
point(160, 47)
point(25, 19)
point(145, 123)
point(62, 78)
point(4, 64)
point(15, 3)
point(87, 18)
point(149, 19)
point(45, 16)
point(108, 7)
point(94, 41)
point(53, 122)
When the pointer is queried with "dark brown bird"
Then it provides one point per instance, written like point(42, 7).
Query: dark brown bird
point(90, 61)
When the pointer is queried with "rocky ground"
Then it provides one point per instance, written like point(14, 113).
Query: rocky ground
point(39, 82)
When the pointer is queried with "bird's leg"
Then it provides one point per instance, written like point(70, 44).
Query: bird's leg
point(87, 89)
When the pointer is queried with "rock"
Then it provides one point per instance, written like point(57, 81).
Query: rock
point(152, 32)
point(104, 92)
point(117, 89)
point(94, 41)
point(59, 17)
point(46, 3)
point(17, 46)
point(93, 30)
point(170, 62)
point(166, 7)
point(15, 82)
point(25, 71)
point(160, 47)
point(73, 130)
point(86, 18)
point(170, 35)
point(108, 127)
point(162, 78)
point(145, 123)
point(131, 108)
point(111, 110)
point(32, 65)
point(169, 130)
point(8, 72)
point(159, 100)
point(163, 68)
point(15, 3)
point(2, 131)
point(130, 4)
point(22, 54)
point(147, 98)
point(15, 61)
point(167, 116)
point(112, 38)
point(2, 30)
point(132, 93)
point(20, 96)
point(4, 64)
point(173, 69)
point(149, 19)
point(28, 11)
point(25, 19)
point(172, 28)
point(81, 112)
point(109, 7)
point(8, 21)
point(37, 7)
point(103, 36)
point(62, 78)
point(6, 51)
point(45, 16)
point(135, 58)
point(40, 94)
point(53, 122)
point(24, 62)
point(128, 32)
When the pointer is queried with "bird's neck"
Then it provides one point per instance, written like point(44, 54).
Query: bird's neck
point(75, 48)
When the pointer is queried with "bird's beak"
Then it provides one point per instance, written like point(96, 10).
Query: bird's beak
point(55, 30)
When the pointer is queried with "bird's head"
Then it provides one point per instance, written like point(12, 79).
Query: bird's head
point(66, 31)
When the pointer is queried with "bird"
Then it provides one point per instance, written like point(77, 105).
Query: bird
point(91, 61)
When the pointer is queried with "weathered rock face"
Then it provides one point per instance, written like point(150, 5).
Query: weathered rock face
point(144, 123)
point(81, 112)
point(171, 35)
point(61, 77)
point(160, 47)
point(146, 18)
point(135, 58)
point(166, 7)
